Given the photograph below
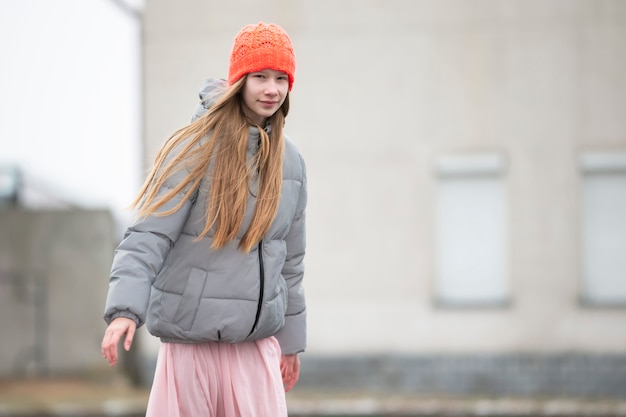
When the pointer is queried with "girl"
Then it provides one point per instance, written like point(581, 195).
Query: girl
point(214, 262)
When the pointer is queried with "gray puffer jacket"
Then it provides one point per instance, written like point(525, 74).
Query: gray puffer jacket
point(187, 292)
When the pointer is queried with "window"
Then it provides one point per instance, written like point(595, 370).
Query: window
point(471, 231)
point(604, 228)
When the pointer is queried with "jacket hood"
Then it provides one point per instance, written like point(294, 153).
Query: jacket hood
point(212, 89)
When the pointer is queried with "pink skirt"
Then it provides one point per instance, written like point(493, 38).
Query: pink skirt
point(218, 380)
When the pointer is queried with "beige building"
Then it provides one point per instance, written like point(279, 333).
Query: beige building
point(467, 180)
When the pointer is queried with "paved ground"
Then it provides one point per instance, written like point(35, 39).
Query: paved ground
point(81, 398)
point(70, 397)
point(318, 404)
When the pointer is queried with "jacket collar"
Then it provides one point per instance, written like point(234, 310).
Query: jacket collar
point(254, 137)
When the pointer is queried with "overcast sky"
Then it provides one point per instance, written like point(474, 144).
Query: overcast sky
point(69, 100)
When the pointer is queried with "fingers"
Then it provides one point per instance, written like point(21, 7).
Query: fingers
point(289, 384)
point(290, 381)
point(130, 334)
point(290, 371)
point(112, 336)
point(109, 345)
point(295, 374)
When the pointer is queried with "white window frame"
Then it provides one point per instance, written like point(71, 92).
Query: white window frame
point(472, 254)
point(603, 229)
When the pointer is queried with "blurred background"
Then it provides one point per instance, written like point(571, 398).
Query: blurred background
point(467, 183)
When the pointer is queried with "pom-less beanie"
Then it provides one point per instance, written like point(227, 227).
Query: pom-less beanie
point(261, 46)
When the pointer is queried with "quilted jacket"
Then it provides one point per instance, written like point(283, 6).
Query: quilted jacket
point(187, 292)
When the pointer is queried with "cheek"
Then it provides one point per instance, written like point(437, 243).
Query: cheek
point(248, 90)
point(247, 97)
point(283, 93)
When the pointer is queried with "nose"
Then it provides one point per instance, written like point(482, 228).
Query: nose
point(271, 87)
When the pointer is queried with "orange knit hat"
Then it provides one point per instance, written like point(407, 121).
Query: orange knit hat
point(261, 46)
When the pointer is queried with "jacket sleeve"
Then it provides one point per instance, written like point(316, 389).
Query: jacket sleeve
point(292, 337)
point(139, 257)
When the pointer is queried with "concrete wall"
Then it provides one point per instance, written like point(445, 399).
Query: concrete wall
point(54, 268)
point(383, 89)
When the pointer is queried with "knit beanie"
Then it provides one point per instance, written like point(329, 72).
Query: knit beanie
point(261, 46)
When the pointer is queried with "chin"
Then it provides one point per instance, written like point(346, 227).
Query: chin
point(267, 115)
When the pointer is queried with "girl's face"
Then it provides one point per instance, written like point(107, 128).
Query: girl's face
point(264, 93)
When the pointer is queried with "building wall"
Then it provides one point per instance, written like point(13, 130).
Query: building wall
point(54, 268)
point(384, 90)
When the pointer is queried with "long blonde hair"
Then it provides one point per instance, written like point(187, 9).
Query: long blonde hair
point(218, 141)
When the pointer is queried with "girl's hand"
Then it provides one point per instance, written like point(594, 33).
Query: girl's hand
point(290, 370)
point(112, 336)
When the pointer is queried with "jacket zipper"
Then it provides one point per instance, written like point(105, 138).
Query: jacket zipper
point(262, 285)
